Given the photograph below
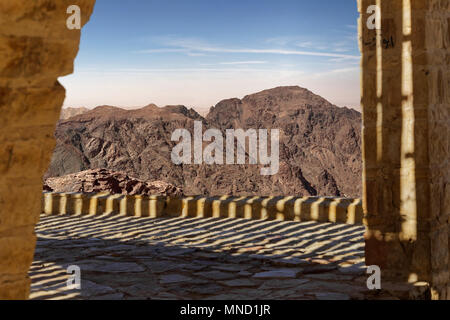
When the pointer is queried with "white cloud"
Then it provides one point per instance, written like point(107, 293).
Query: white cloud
point(305, 44)
point(194, 46)
point(254, 51)
point(280, 41)
point(243, 62)
point(203, 85)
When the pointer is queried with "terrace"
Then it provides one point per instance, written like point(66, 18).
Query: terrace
point(229, 248)
point(128, 257)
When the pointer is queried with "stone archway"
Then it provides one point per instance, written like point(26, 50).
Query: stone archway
point(36, 48)
point(405, 98)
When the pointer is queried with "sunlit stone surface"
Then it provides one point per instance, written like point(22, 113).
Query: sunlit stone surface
point(178, 258)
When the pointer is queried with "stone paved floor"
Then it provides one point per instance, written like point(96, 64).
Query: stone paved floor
point(142, 258)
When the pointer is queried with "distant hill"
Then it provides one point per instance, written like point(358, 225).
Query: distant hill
point(320, 145)
point(67, 113)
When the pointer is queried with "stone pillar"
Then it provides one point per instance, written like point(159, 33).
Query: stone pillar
point(36, 48)
point(405, 81)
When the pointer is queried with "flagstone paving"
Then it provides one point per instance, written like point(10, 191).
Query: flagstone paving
point(175, 258)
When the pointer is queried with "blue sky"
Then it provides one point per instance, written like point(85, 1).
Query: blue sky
point(197, 52)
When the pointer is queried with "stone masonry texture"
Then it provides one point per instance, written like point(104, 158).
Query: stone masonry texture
point(320, 209)
point(36, 48)
point(405, 101)
point(128, 257)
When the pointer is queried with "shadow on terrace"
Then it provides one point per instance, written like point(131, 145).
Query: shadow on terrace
point(124, 257)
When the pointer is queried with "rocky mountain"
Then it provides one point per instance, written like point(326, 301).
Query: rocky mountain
point(103, 180)
point(67, 113)
point(320, 145)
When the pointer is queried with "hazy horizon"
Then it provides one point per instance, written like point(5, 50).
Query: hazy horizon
point(201, 111)
point(198, 53)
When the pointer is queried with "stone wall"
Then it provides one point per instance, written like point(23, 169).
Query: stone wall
point(36, 48)
point(406, 101)
point(320, 209)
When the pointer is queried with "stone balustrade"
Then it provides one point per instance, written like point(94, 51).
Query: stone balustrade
point(320, 209)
